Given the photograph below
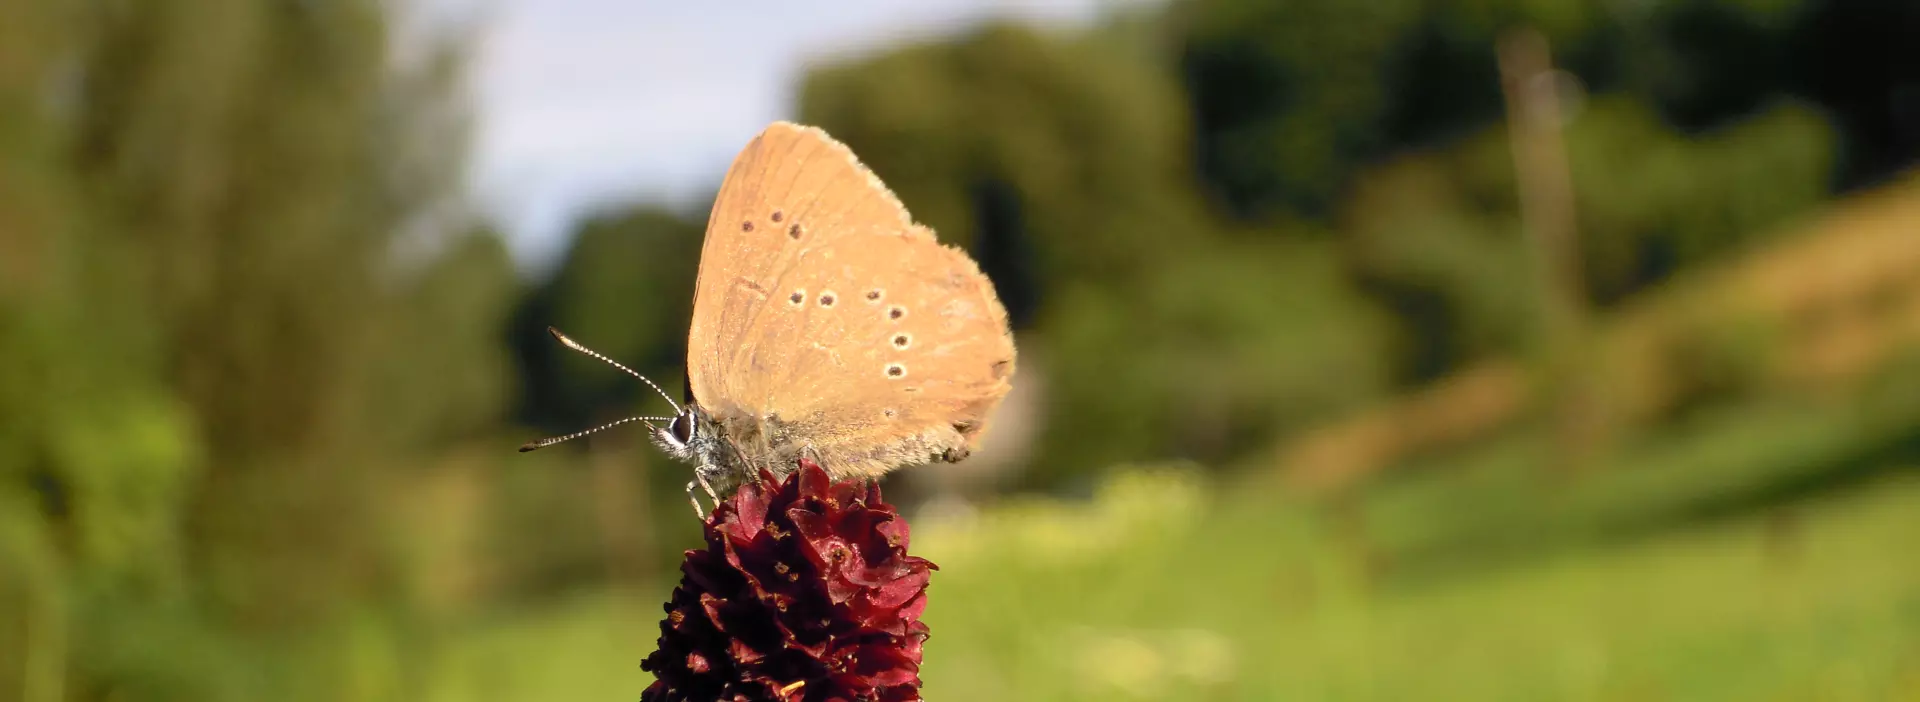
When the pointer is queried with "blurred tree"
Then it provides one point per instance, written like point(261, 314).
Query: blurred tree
point(1290, 99)
point(1084, 135)
point(1861, 63)
point(214, 359)
point(449, 316)
point(1437, 234)
point(1287, 97)
point(625, 289)
point(1295, 103)
point(1207, 357)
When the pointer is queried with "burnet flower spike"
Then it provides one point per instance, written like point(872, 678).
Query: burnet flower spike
point(804, 591)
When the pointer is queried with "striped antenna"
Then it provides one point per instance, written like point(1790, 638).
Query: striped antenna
point(575, 345)
point(543, 443)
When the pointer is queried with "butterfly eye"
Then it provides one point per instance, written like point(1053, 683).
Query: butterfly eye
point(682, 428)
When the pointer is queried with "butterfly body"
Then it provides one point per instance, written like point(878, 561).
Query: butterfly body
point(728, 451)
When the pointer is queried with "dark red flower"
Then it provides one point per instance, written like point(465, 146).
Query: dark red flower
point(805, 592)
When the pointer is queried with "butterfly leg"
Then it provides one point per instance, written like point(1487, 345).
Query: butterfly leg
point(700, 479)
point(695, 499)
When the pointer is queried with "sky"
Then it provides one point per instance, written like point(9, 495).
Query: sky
point(585, 103)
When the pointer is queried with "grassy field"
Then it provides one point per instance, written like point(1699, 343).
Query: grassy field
point(1162, 588)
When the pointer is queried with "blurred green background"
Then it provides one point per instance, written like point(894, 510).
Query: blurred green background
point(1436, 349)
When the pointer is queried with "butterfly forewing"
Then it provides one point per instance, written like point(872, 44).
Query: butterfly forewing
point(790, 179)
point(826, 321)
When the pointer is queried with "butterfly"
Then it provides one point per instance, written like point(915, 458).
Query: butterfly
point(826, 325)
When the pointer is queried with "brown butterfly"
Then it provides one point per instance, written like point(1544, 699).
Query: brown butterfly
point(826, 325)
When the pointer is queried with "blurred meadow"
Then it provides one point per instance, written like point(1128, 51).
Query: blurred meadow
point(1456, 349)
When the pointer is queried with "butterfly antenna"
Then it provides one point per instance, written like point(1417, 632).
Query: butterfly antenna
point(543, 443)
point(575, 345)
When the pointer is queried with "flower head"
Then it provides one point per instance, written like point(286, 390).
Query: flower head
point(805, 591)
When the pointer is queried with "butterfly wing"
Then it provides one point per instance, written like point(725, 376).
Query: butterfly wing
point(896, 354)
point(786, 174)
point(826, 322)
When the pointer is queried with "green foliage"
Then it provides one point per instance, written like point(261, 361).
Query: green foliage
point(257, 369)
point(449, 316)
point(626, 290)
point(212, 372)
point(1293, 100)
point(1439, 232)
point(1178, 363)
point(1159, 588)
point(1652, 204)
point(1289, 97)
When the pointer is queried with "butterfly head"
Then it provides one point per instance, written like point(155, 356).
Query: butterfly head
point(693, 436)
point(686, 435)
